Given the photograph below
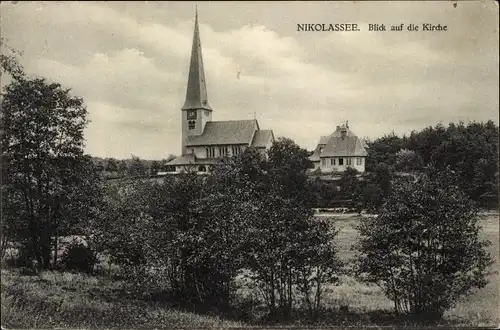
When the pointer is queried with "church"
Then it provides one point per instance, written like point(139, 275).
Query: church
point(204, 141)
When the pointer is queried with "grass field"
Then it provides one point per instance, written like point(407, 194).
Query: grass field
point(66, 300)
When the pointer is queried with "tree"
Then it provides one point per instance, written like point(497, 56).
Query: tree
point(112, 165)
point(137, 167)
point(383, 150)
point(123, 167)
point(349, 182)
point(424, 248)
point(155, 167)
point(288, 164)
point(408, 160)
point(42, 153)
point(9, 61)
point(287, 249)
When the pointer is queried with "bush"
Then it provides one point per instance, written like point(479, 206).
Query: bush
point(79, 257)
point(424, 248)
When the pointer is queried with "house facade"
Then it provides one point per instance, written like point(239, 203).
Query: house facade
point(338, 151)
point(204, 141)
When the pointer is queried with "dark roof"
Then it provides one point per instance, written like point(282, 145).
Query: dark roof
point(196, 92)
point(183, 160)
point(347, 146)
point(335, 146)
point(315, 156)
point(323, 139)
point(225, 132)
point(262, 138)
point(191, 159)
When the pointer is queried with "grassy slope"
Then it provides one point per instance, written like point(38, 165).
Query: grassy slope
point(68, 300)
point(79, 301)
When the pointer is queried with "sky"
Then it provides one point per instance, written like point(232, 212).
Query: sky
point(129, 62)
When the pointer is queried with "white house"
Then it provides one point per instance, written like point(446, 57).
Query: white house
point(340, 150)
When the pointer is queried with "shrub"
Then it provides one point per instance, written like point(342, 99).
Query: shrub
point(424, 248)
point(79, 257)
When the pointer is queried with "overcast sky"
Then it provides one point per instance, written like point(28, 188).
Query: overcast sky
point(129, 61)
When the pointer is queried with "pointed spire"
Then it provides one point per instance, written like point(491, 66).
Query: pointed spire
point(196, 93)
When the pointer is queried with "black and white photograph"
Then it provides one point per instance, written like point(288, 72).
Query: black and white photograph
point(268, 164)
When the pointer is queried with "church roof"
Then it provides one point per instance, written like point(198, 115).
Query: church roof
point(196, 92)
point(262, 137)
point(183, 160)
point(191, 159)
point(225, 132)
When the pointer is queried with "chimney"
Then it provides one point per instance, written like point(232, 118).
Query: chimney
point(343, 132)
point(338, 128)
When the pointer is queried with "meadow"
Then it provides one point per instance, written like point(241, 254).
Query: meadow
point(54, 299)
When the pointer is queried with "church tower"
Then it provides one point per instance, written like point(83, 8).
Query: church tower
point(196, 111)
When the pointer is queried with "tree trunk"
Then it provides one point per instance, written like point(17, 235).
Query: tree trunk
point(56, 246)
point(272, 297)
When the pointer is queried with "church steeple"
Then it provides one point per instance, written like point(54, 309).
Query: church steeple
point(196, 93)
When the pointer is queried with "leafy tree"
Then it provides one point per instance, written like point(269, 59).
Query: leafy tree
point(112, 165)
point(370, 198)
point(325, 192)
point(137, 167)
point(424, 249)
point(288, 164)
point(99, 165)
point(9, 61)
point(408, 160)
point(383, 150)
point(382, 177)
point(155, 167)
point(193, 235)
point(349, 182)
point(287, 249)
point(123, 167)
point(42, 153)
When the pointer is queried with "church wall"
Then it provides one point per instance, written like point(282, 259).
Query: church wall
point(201, 151)
point(202, 117)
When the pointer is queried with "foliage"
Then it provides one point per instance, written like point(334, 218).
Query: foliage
point(470, 150)
point(193, 235)
point(326, 193)
point(408, 161)
point(112, 165)
point(9, 61)
point(46, 177)
point(154, 168)
point(136, 167)
point(424, 248)
point(79, 257)
point(288, 250)
point(383, 150)
point(349, 181)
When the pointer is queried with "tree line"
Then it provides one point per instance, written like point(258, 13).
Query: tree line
point(132, 167)
point(471, 151)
